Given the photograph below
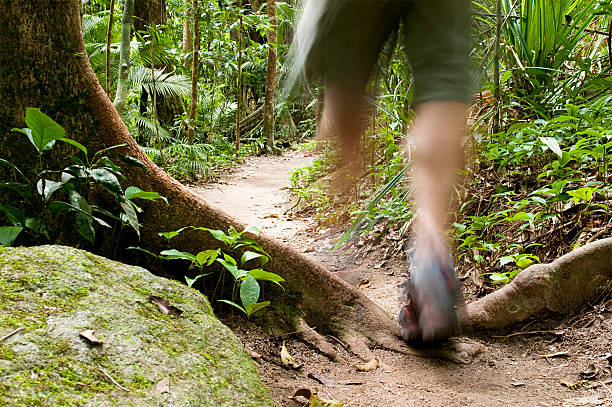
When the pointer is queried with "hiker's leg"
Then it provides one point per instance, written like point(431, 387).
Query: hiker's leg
point(437, 35)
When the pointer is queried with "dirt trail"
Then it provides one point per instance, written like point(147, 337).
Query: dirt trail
point(511, 372)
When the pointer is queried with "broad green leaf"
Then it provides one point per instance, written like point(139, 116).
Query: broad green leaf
point(74, 143)
point(249, 291)
point(49, 187)
point(521, 216)
point(524, 262)
point(233, 304)
point(499, 278)
point(249, 255)
point(191, 281)
point(42, 130)
point(253, 308)
point(231, 268)
point(8, 234)
point(83, 220)
point(130, 216)
point(219, 235)
point(133, 192)
point(14, 215)
point(260, 274)
point(172, 234)
point(129, 160)
point(102, 222)
point(553, 144)
point(229, 259)
point(252, 229)
point(206, 257)
point(107, 179)
point(505, 260)
point(173, 254)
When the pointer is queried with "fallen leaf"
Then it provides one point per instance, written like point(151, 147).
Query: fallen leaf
point(573, 385)
point(368, 366)
point(163, 386)
point(164, 306)
point(252, 353)
point(364, 283)
point(321, 379)
point(306, 393)
point(89, 335)
point(590, 372)
point(287, 359)
point(314, 400)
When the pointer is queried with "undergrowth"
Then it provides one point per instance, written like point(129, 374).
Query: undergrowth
point(528, 194)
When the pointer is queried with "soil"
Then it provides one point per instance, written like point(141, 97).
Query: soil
point(552, 361)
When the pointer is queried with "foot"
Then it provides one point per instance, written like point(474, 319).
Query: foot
point(431, 295)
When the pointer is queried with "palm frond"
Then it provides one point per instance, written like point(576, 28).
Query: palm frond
point(149, 125)
point(166, 83)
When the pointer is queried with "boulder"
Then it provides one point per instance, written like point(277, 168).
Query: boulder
point(51, 296)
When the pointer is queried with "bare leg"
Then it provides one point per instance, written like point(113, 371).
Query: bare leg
point(344, 107)
point(439, 129)
point(433, 287)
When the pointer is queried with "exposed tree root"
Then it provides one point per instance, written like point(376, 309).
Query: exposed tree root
point(561, 286)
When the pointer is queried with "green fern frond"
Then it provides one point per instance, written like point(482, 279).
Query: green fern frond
point(166, 84)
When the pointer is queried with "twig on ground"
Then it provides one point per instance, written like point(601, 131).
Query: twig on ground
point(5, 337)
point(294, 332)
point(109, 377)
point(599, 234)
point(339, 342)
point(504, 337)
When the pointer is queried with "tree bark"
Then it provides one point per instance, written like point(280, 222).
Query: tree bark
point(239, 79)
point(124, 56)
point(59, 80)
point(194, 72)
point(270, 77)
point(187, 36)
point(109, 33)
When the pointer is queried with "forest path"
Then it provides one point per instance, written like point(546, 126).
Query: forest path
point(511, 372)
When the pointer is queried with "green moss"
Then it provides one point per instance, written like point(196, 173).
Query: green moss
point(63, 291)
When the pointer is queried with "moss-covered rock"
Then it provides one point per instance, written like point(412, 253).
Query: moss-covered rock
point(56, 292)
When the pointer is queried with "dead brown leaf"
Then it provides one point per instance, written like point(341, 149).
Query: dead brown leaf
point(165, 307)
point(364, 283)
point(590, 372)
point(287, 359)
point(91, 338)
point(314, 400)
point(368, 366)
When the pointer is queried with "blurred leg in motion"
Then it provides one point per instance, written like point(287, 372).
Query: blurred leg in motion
point(433, 288)
point(339, 41)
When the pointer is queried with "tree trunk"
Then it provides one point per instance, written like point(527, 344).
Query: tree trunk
point(187, 36)
point(109, 33)
point(194, 72)
point(124, 56)
point(59, 80)
point(149, 12)
point(239, 80)
point(270, 77)
point(152, 13)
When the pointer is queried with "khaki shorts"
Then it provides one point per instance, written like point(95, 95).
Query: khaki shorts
point(351, 33)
